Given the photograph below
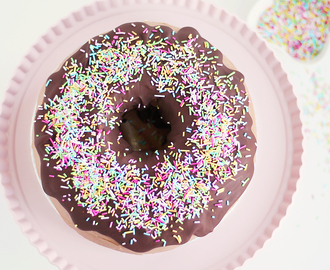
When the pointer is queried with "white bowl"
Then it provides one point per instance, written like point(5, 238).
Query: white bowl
point(253, 19)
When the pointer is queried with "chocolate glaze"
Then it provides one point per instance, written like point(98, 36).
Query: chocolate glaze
point(143, 93)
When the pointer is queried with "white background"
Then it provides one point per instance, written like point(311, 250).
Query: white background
point(302, 240)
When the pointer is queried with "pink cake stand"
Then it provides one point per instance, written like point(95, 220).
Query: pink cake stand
point(259, 211)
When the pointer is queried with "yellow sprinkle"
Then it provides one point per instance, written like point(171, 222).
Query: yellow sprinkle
point(178, 238)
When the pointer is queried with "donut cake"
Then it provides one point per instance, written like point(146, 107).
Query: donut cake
point(144, 137)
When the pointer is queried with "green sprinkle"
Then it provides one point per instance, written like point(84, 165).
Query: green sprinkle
point(245, 181)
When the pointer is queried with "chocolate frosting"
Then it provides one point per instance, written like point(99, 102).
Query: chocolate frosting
point(146, 199)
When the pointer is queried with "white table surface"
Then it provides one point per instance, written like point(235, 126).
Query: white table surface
point(302, 240)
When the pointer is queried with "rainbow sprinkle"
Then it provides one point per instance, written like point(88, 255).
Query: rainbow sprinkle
point(301, 27)
point(178, 186)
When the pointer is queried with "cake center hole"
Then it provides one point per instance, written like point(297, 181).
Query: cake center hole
point(144, 129)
